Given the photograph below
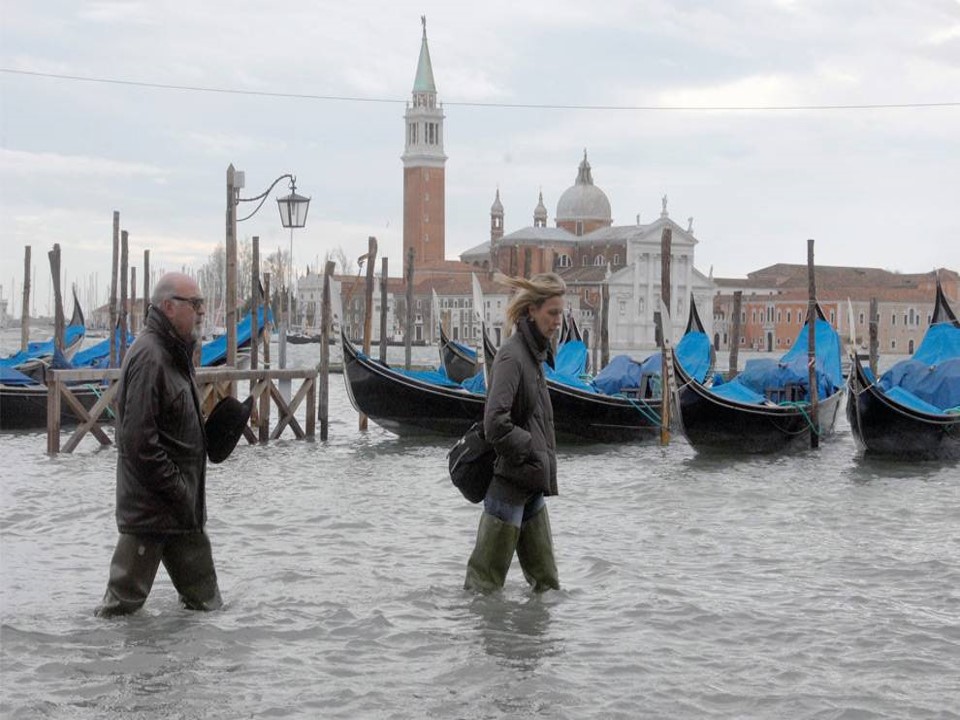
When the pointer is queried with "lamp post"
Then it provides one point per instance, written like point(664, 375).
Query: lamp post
point(293, 214)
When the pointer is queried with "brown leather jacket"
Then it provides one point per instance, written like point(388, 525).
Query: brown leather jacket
point(162, 454)
point(518, 421)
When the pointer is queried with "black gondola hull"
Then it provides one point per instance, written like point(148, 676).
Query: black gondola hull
point(406, 406)
point(25, 407)
point(581, 417)
point(885, 428)
point(711, 423)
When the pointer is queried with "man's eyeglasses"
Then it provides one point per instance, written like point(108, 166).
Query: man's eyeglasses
point(195, 302)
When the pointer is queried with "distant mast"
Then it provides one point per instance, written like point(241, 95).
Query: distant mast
point(424, 181)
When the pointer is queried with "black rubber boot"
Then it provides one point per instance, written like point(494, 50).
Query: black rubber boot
point(189, 562)
point(132, 570)
point(535, 552)
point(491, 557)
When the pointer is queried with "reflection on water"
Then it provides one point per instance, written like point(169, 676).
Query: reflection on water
point(516, 632)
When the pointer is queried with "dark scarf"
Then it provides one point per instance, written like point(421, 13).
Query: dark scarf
point(536, 340)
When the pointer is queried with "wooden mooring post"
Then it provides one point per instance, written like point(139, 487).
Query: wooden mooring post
point(812, 346)
point(666, 317)
point(384, 277)
point(25, 308)
point(212, 383)
point(408, 330)
point(371, 259)
point(734, 369)
point(325, 325)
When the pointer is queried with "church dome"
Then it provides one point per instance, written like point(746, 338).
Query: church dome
point(584, 201)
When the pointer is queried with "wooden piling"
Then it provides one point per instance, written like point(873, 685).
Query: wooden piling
point(368, 306)
point(113, 290)
point(146, 283)
point(231, 252)
point(263, 412)
point(383, 309)
point(735, 339)
point(604, 326)
point(666, 318)
point(255, 302)
point(874, 348)
point(25, 309)
point(325, 326)
point(812, 347)
point(133, 303)
point(58, 322)
point(408, 330)
point(124, 254)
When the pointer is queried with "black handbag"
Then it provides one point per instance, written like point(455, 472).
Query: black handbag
point(471, 464)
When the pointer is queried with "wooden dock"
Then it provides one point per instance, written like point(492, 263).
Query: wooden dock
point(213, 383)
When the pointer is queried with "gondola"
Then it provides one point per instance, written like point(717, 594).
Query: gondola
point(457, 360)
point(406, 403)
point(23, 399)
point(766, 408)
point(913, 410)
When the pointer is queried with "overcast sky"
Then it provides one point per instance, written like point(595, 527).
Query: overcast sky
point(878, 187)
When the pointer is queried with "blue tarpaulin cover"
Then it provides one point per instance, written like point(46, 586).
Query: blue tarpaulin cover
point(759, 376)
point(930, 380)
point(694, 354)
point(624, 372)
point(9, 376)
point(216, 350)
point(43, 349)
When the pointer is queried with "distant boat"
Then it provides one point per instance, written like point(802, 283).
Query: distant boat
point(766, 408)
point(913, 410)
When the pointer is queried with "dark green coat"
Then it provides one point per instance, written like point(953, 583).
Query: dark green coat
point(161, 448)
point(518, 421)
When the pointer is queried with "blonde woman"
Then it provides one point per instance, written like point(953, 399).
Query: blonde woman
point(518, 421)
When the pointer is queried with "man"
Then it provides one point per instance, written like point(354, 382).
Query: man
point(161, 461)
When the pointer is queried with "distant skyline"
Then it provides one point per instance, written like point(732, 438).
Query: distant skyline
point(867, 161)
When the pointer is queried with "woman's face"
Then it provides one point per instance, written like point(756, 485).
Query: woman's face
point(548, 316)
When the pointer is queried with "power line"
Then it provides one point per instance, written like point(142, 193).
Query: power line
point(506, 105)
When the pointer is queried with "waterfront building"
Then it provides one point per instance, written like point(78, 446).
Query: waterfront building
point(774, 306)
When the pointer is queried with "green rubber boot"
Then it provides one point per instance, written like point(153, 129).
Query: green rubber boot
point(488, 564)
point(535, 552)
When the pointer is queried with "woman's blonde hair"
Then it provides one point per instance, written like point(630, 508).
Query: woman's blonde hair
point(530, 293)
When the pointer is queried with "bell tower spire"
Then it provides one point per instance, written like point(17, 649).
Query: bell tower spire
point(423, 159)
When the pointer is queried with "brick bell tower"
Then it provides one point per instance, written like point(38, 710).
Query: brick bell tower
point(423, 168)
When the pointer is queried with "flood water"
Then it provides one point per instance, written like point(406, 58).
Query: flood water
point(820, 585)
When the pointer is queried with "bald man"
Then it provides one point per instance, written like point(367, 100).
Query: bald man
point(162, 460)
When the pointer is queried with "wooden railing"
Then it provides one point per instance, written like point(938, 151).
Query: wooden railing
point(213, 383)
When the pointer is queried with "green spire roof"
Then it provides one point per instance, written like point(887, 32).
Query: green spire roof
point(424, 80)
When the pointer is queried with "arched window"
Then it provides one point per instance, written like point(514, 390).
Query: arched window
point(563, 261)
point(598, 260)
point(616, 260)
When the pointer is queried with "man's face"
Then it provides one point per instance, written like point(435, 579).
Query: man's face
point(185, 310)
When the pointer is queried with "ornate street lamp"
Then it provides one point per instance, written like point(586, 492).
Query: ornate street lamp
point(293, 214)
point(293, 207)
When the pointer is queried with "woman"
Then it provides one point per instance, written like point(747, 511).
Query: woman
point(518, 421)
